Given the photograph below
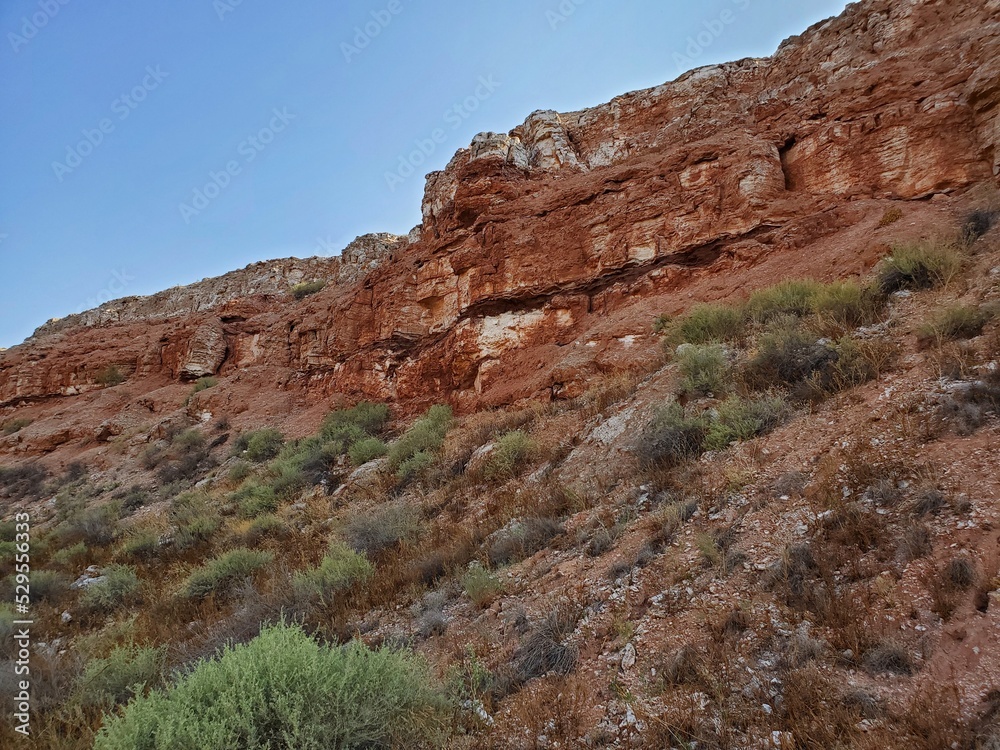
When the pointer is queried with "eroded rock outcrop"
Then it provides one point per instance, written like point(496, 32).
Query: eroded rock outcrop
point(534, 242)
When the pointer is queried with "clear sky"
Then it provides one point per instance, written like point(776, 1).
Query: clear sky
point(154, 143)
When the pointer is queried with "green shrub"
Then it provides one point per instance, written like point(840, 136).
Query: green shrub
point(141, 544)
point(284, 690)
point(373, 532)
point(672, 438)
point(425, 436)
point(367, 449)
point(414, 466)
point(955, 322)
point(203, 384)
point(259, 445)
point(793, 297)
point(255, 499)
point(510, 455)
point(365, 419)
point(919, 266)
point(70, 557)
point(265, 526)
point(847, 303)
point(707, 324)
point(480, 585)
point(48, 585)
point(109, 376)
point(704, 369)
point(221, 574)
point(96, 526)
point(120, 588)
point(787, 355)
point(195, 518)
point(307, 288)
point(15, 425)
point(239, 471)
point(742, 419)
point(302, 463)
point(126, 672)
point(339, 570)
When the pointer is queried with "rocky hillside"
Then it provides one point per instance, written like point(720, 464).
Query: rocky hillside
point(674, 424)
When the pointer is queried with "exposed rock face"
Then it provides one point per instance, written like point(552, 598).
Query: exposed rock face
point(535, 244)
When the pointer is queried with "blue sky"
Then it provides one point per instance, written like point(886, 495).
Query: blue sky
point(156, 143)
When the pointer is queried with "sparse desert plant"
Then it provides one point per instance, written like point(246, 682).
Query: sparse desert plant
point(307, 289)
point(788, 354)
point(978, 223)
point(365, 418)
point(128, 671)
point(915, 542)
point(285, 690)
point(221, 574)
point(510, 456)
point(96, 526)
point(141, 544)
point(12, 426)
point(195, 518)
point(71, 556)
point(521, 539)
point(847, 303)
point(367, 449)
point(255, 499)
point(953, 323)
point(888, 658)
point(890, 217)
point(672, 438)
point(960, 573)
point(339, 570)
point(259, 445)
point(793, 297)
point(414, 466)
point(704, 369)
point(425, 436)
point(544, 648)
point(480, 585)
point(742, 419)
point(706, 324)
point(263, 527)
point(48, 585)
point(923, 265)
point(109, 376)
point(25, 480)
point(372, 533)
point(203, 384)
point(120, 588)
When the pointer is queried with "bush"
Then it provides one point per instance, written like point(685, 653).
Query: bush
point(510, 455)
point(890, 217)
point(141, 544)
point(521, 539)
point(97, 526)
point(366, 418)
point(704, 369)
point(414, 466)
point(480, 585)
point(109, 376)
point(126, 672)
point(221, 574)
point(119, 588)
point(14, 425)
point(259, 445)
point(978, 223)
point(307, 288)
point(265, 526)
point(23, 481)
point(919, 266)
point(367, 449)
point(847, 303)
point(70, 557)
point(339, 570)
point(743, 419)
point(255, 499)
point(544, 649)
point(792, 297)
point(888, 658)
point(302, 463)
point(425, 436)
point(706, 324)
point(195, 518)
point(787, 355)
point(284, 690)
point(373, 533)
point(203, 384)
point(672, 438)
point(953, 323)
point(48, 585)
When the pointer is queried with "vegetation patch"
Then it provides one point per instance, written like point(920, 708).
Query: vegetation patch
point(221, 574)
